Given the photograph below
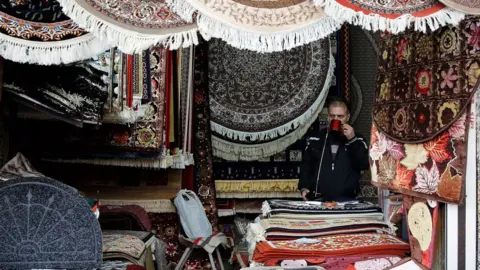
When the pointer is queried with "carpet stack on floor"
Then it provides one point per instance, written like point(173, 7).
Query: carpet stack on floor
point(350, 235)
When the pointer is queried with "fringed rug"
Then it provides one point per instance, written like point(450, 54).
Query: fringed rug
point(38, 32)
point(262, 103)
point(132, 26)
point(433, 170)
point(466, 6)
point(203, 146)
point(392, 16)
point(423, 87)
point(263, 26)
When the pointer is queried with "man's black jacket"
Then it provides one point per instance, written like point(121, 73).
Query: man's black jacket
point(339, 177)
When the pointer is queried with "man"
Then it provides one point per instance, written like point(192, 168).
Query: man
point(345, 156)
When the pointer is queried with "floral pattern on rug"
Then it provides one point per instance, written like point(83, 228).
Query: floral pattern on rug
point(423, 87)
point(140, 13)
point(433, 170)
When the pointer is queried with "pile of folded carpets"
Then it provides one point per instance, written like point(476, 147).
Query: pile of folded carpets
point(349, 235)
point(290, 229)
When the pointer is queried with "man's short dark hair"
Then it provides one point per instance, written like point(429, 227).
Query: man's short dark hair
point(338, 101)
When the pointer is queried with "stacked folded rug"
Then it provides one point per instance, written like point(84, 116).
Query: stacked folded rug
point(349, 235)
point(313, 210)
point(288, 229)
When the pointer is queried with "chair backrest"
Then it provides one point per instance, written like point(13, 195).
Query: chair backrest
point(192, 214)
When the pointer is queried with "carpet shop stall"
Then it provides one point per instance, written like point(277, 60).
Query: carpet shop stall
point(110, 109)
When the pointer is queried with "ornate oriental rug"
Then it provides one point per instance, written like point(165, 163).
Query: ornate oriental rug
point(392, 16)
point(263, 26)
point(433, 170)
point(423, 87)
point(258, 98)
point(37, 32)
point(335, 245)
point(203, 146)
point(132, 26)
point(465, 6)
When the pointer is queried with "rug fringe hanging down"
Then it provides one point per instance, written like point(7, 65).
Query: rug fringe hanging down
point(127, 40)
point(372, 21)
point(215, 20)
point(235, 151)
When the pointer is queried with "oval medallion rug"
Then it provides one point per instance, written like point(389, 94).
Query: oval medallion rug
point(264, 26)
point(261, 103)
point(392, 16)
point(132, 25)
point(423, 87)
point(37, 32)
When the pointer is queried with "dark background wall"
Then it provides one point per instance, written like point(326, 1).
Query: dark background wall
point(363, 66)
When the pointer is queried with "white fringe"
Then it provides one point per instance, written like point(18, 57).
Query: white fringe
point(255, 233)
point(266, 209)
point(50, 52)
point(128, 41)
point(254, 40)
point(235, 151)
point(374, 22)
point(267, 42)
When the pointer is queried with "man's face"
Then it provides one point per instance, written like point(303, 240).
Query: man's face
point(338, 112)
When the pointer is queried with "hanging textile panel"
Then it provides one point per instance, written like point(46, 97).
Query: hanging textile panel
point(262, 179)
point(433, 170)
point(132, 26)
point(426, 81)
point(269, 100)
point(262, 26)
point(38, 32)
point(203, 146)
point(422, 217)
point(392, 16)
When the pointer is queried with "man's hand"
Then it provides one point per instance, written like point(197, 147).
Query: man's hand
point(304, 194)
point(348, 131)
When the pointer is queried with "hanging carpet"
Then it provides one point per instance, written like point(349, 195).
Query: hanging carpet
point(37, 32)
point(422, 220)
point(262, 103)
point(432, 170)
point(465, 6)
point(392, 16)
point(263, 26)
point(132, 26)
point(205, 185)
point(423, 87)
